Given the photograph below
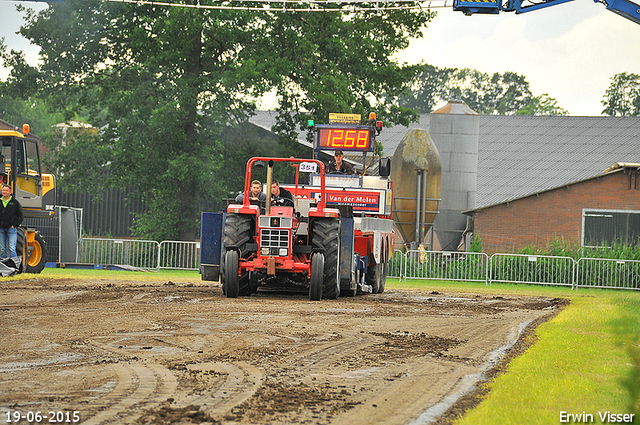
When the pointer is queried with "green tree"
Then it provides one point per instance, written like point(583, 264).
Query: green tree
point(622, 97)
point(428, 88)
point(504, 94)
point(542, 105)
point(163, 83)
point(329, 62)
point(19, 103)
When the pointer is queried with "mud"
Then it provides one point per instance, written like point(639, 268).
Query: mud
point(127, 352)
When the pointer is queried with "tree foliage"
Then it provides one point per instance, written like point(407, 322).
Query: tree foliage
point(622, 97)
point(18, 101)
point(542, 105)
point(503, 94)
point(163, 83)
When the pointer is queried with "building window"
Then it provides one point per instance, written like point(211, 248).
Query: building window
point(603, 228)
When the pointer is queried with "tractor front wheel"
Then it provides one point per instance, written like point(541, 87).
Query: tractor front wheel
point(377, 277)
point(232, 280)
point(317, 277)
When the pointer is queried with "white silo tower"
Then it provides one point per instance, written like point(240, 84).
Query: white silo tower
point(455, 129)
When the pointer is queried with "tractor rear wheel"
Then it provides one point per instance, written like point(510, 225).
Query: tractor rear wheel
point(326, 236)
point(238, 231)
point(232, 281)
point(316, 280)
point(35, 256)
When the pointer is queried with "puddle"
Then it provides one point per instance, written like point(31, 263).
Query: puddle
point(469, 381)
point(102, 390)
point(354, 374)
point(149, 348)
point(61, 360)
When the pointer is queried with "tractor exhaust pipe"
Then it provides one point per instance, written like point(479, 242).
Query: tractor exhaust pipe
point(269, 180)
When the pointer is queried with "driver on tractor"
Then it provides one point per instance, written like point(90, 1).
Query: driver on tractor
point(280, 196)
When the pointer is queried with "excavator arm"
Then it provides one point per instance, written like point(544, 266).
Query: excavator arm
point(624, 8)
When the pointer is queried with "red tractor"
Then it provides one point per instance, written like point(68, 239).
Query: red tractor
point(297, 244)
point(335, 236)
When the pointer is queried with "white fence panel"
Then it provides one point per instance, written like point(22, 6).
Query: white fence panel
point(532, 269)
point(608, 273)
point(179, 255)
point(124, 252)
point(443, 265)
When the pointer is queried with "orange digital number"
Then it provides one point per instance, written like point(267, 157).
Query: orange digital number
point(363, 139)
point(336, 138)
point(350, 138)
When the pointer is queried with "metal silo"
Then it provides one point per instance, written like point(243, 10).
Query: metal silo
point(415, 171)
point(454, 129)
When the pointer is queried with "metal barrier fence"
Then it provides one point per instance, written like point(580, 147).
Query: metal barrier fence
point(125, 252)
point(179, 255)
point(516, 268)
point(608, 273)
point(445, 265)
point(413, 264)
point(532, 269)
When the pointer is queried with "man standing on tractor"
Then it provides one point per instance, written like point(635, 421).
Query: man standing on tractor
point(281, 196)
point(10, 220)
point(338, 165)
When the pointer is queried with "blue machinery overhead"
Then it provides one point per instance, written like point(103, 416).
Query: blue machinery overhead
point(624, 8)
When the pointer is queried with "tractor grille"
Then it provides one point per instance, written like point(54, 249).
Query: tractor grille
point(274, 242)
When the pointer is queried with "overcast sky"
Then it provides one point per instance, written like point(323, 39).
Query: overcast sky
point(569, 51)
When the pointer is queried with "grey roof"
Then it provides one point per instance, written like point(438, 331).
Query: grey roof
point(267, 119)
point(522, 155)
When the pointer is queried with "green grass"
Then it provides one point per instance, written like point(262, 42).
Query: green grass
point(162, 275)
point(586, 359)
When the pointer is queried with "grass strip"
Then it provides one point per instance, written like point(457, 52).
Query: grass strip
point(580, 364)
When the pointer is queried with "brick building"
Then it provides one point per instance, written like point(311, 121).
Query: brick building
point(592, 212)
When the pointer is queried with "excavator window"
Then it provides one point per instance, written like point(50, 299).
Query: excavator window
point(32, 158)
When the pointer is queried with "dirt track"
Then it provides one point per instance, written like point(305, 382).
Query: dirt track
point(119, 352)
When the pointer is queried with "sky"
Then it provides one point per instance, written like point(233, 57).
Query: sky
point(569, 51)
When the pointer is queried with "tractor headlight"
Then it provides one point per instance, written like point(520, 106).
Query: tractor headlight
point(282, 252)
point(265, 251)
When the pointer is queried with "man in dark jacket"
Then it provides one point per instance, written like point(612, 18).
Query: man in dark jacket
point(10, 220)
point(280, 196)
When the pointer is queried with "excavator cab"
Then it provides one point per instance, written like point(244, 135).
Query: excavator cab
point(20, 168)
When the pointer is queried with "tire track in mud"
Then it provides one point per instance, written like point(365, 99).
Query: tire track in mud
point(240, 383)
point(138, 384)
point(321, 358)
point(141, 386)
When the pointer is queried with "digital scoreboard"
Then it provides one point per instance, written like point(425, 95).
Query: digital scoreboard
point(347, 139)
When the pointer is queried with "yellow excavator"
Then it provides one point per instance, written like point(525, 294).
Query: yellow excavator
point(20, 168)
